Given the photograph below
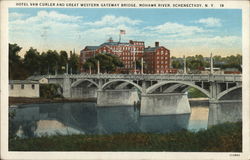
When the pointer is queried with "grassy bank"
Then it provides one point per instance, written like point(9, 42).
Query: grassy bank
point(221, 138)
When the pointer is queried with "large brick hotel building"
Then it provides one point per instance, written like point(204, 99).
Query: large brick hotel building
point(156, 59)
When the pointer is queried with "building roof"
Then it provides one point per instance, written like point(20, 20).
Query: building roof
point(114, 43)
point(22, 82)
point(35, 78)
point(92, 47)
point(150, 49)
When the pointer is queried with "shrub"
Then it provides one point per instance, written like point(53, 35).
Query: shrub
point(50, 91)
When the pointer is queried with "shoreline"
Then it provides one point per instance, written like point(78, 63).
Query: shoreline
point(25, 100)
point(185, 141)
point(198, 101)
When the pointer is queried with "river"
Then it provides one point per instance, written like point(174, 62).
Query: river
point(85, 118)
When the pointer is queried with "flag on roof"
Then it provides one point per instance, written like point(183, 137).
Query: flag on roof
point(122, 32)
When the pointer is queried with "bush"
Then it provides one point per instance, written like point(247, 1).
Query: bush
point(50, 91)
point(195, 93)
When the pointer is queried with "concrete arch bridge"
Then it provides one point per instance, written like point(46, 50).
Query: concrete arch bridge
point(159, 94)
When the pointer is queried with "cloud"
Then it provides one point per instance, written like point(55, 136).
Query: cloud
point(213, 40)
point(53, 15)
point(45, 20)
point(60, 31)
point(46, 29)
point(16, 15)
point(110, 20)
point(44, 17)
point(210, 22)
point(173, 30)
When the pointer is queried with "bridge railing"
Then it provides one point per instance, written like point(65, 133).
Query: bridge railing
point(158, 77)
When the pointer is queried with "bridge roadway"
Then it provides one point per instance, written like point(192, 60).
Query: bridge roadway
point(158, 93)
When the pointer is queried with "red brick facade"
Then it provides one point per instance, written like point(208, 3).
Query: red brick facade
point(156, 59)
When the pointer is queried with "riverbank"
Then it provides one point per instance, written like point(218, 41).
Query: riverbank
point(24, 100)
point(220, 138)
point(198, 101)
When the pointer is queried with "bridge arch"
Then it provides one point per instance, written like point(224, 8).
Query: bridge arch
point(123, 80)
point(220, 95)
point(76, 83)
point(155, 86)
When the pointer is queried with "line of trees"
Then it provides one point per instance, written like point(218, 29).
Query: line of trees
point(198, 62)
point(108, 63)
point(33, 62)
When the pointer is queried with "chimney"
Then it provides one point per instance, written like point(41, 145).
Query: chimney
point(110, 39)
point(156, 44)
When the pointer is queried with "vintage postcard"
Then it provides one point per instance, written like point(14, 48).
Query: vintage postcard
point(125, 79)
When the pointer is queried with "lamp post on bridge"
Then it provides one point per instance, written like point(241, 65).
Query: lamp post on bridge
point(211, 64)
point(134, 61)
point(67, 68)
point(89, 69)
point(185, 64)
point(98, 67)
point(142, 65)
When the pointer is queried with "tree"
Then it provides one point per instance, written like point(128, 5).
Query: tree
point(196, 62)
point(177, 62)
point(52, 57)
point(74, 63)
point(63, 60)
point(14, 58)
point(108, 62)
point(234, 62)
point(32, 62)
point(44, 65)
point(16, 68)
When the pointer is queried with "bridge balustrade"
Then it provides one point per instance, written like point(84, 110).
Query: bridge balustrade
point(156, 77)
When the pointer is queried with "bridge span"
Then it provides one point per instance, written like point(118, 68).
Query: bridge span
point(159, 94)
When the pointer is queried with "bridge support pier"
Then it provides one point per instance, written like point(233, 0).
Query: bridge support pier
point(224, 111)
point(66, 87)
point(117, 97)
point(165, 104)
point(80, 92)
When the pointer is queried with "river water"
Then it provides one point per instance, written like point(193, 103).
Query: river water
point(85, 118)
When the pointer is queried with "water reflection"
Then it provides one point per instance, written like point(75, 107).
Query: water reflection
point(163, 124)
point(85, 118)
point(117, 119)
point(199, 118)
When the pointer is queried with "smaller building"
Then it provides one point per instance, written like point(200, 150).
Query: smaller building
point(23, 88)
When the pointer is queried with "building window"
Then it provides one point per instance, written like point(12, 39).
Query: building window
point(12, 86)
point(33, 86)
point(22, 86)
